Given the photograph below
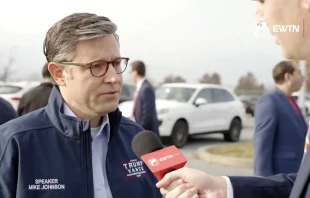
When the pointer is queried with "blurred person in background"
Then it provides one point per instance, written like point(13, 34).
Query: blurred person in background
point(79, 145)
point(144, 106)
point(7, 112)
point(37, 97)
point(280, 127)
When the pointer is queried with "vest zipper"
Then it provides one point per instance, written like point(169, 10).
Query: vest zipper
point(113, 130)
point(85, 161)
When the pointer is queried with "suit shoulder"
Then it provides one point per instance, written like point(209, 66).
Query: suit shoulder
point(148, 84)
point(148, 89)
point(266, 102)
point(5, 105)
point(3, 101)
point(267, 97)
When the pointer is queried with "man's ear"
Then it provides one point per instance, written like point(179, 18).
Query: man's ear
point(305, 4)
point(57, 72)
point(259, 13)
point(286, 77)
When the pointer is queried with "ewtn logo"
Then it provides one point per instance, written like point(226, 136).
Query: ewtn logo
point(153, 162)
point(262, 28)
point(286, 28)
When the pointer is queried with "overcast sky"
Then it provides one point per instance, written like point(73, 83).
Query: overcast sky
point(178, 37)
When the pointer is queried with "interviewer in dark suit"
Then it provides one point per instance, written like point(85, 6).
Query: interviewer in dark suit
point(190, 183)
point(280, 127)
point(144, 107)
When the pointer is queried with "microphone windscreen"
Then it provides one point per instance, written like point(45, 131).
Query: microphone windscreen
point(146, 142)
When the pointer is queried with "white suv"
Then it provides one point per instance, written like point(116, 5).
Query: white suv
point(192, 109)
point(13, 91)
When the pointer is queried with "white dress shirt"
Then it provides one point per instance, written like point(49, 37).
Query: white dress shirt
point(139, 83)
point(101, 136)
point(229, 188)
point(138, 86)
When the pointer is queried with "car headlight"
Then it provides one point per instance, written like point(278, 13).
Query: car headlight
point(163, 111)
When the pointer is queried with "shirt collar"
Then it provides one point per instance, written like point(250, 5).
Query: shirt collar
point(140, 82)
point(105, 120)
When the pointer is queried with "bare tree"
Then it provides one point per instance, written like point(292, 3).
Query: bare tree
point(169, 79)
point(206, 78)
point(35, 76)
point(248, 84)
point(215, 78)
point(7, 70)
point(179, 79)
point(173, 79)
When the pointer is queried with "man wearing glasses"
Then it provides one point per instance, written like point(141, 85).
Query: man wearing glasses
point(79, 145)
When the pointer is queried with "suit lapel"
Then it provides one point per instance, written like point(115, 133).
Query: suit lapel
point(290, 107)
point(304, 119)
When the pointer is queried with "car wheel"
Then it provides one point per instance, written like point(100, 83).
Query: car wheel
point(234, 132)
point(252, 113)
point(179, 134)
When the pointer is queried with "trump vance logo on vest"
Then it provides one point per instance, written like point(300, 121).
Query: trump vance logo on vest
point(133, 168)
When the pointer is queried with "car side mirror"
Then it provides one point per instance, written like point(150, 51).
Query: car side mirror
point(200, 101)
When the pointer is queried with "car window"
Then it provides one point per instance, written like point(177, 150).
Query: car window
point(180, 94)
point(125, 92)
point(295, 97)
point(9, 89)
point(206, 94)
point(131, 89)
point(248, 97)
point(221, 95)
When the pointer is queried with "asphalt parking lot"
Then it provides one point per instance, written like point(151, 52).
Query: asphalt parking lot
point(216, 139)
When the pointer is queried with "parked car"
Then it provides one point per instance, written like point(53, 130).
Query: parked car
point(13, 91)
point(249, 102)
point(191, 109)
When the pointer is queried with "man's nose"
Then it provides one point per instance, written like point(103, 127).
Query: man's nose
point(111, 76)
point(259, 14)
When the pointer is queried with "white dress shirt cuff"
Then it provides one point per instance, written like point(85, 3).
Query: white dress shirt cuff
point(229, 188)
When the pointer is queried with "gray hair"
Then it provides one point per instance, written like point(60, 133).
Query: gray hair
point(62, 37)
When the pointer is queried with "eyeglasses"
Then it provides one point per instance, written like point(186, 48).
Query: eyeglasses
point(99, 68)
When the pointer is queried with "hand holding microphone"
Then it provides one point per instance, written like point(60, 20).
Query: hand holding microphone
point(205, 185)
point(167, 164)
point(147, 146)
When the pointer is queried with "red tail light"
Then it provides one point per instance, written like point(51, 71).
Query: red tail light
point(15, 98)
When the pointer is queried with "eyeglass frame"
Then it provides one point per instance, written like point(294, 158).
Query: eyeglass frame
point(89, 65)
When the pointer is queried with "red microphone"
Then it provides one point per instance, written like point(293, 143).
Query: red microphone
point(147, 146)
